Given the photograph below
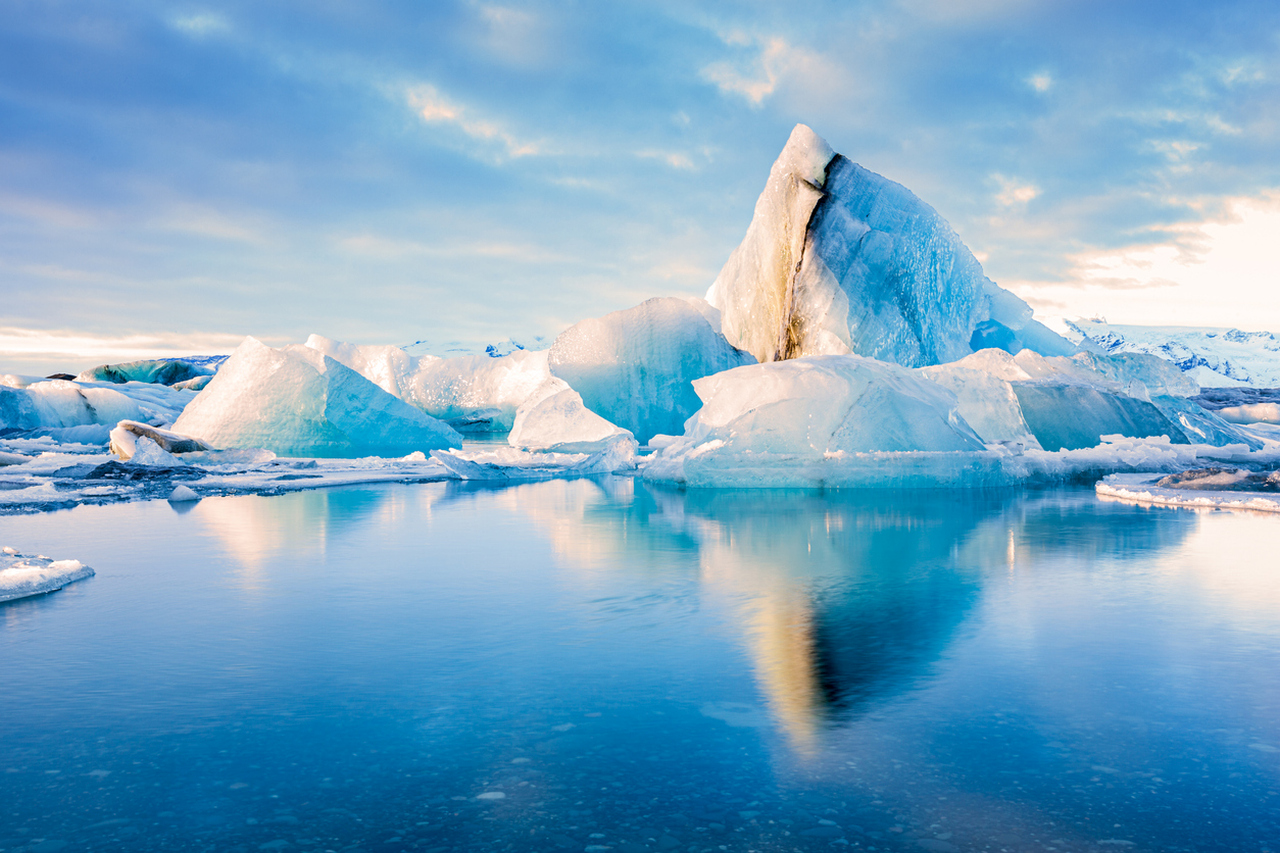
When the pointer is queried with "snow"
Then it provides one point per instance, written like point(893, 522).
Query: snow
point(476, 393)
point(555, 418)
point(1211, 357)
point(838, 259)
point(1143, 489)
point(23, 575)
point(295, 401)
point(635, 368)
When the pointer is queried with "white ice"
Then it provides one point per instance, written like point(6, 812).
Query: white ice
point(295, 401)
point(1143, 489)
point(23, 575)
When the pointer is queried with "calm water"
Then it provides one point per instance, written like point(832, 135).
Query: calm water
point(589, 665)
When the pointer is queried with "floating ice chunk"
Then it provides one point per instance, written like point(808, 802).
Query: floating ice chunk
point(839, 259)
point(22, 575)
point(477, 393)
point(182, 494)
point(554, 418)
point(296, 401)
point(509, 463)
point(635, 368)
point(1077, 416)
point(1147, 489)
point(126, 434)
point(149, 453)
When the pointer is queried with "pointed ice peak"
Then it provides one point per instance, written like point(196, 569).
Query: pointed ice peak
point(805, 155)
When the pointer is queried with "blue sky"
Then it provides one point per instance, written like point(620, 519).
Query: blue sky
point(175, 176)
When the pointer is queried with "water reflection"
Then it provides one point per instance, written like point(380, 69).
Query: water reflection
point(842, 601)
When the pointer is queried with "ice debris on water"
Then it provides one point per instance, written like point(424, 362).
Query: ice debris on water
point(851, 340)
point(23, 575)
point(183, 494)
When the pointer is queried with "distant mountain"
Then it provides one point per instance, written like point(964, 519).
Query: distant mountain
point(1214, 357)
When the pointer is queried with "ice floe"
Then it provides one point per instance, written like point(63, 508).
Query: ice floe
point(1146, 489)
point(25, 575)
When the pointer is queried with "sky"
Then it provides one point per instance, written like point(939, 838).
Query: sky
point(175, 176)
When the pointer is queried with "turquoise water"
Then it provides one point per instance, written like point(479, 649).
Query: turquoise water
point(598, 665)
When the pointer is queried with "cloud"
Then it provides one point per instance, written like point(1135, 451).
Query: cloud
point(200, 25)
point(1041, 82)
point(674, 159)
point(775, 62)
point(434, 108)
point(1013, 192)
point(1221, 272)
point(27, 345)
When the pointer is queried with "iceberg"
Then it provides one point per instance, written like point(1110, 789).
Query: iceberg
point(159, 371)
point(636, 368)
point(23, 575)
point(296, 401)
point(785, 413)
point(477, 393)
point(554, 418)
point(838, 259)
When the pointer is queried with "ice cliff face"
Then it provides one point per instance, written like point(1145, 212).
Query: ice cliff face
point(838, 259)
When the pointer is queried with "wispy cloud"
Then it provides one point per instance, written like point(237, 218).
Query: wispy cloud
point(434, 108)
point(674, 159)
point(1014, 193)
point(27, 344)
point(772, 62)
point(1041, 82)
point(200, 24)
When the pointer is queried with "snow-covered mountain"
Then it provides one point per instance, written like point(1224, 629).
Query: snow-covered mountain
point(1213, 357)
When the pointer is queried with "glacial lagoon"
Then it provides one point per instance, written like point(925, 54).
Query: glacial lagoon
point(603, 665)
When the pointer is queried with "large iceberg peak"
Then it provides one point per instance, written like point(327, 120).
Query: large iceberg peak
point(839, 259)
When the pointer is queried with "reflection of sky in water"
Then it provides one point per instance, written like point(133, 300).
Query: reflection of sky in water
point(662, 670)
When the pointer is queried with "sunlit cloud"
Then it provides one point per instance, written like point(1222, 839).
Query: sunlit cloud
point(674, 159)
point(1013, 192)
point(434, 108)
point(1223, 272)
point(1041, 82)
point(25, 344)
